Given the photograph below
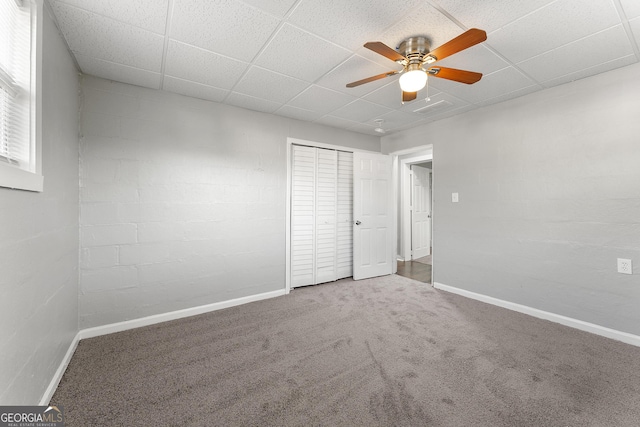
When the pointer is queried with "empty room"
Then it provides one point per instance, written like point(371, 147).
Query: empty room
point(299, 212)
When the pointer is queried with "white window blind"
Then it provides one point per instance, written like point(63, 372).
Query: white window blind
point(15, 83)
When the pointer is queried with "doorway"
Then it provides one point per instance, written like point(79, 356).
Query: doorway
point(415, 213)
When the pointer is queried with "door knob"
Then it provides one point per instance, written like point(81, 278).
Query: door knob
point(358, 222)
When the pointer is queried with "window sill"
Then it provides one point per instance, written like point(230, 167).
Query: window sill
point(18, 179)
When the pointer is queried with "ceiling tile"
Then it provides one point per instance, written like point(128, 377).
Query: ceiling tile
point(104, 38)
point(366, 129)
point(201, 66)
point(435, 105)
point(555, 25)
point(252, 103)
point(511, 95)
point(227, 27)
point(361, 111)
point(281, 54)
point(422, 21)
point(495, 84)
point(337, 122)
point(118, 72)
point(398, 119)
point(489, 15)
point(321, 100)
point(349, 23)
point(477, 58)
point(596, 69)
point(195, 90)
point(609, 44)
point(353, 69)
point(147, 14)
point(631, 8)
point(294, 57)
point(277, 7)
point(635, 28)
point(298, 113)
point(266, 84)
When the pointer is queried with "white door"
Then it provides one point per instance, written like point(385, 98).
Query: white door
point(420, 213)
point(345, 215)
point(373, 241)
point(325, 218)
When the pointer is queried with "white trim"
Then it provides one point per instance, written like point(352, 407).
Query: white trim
point(540, 314)
point(291, 141)
point(32, 179)
point(53, 385)
point(174, 315)
point(144, 321)
point(405, 162)
point(287, 250)
point(20, 179)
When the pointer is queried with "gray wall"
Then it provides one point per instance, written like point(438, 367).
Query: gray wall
point(182, 200)
point(549, 188)
point(39, 243)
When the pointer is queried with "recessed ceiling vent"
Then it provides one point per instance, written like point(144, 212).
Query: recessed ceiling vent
point(432, 108)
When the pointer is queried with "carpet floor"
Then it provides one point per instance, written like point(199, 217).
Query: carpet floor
point(388, 351)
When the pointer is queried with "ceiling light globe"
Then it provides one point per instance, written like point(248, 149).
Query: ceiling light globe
point(413, 81)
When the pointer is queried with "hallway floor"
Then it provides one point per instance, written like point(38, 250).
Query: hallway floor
point(415, 270)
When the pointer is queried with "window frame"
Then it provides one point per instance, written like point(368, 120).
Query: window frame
point(31, 179)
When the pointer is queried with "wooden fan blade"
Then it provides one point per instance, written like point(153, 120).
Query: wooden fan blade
point(462, 76)
point(409, 96)
point(463, 41)
point(372, 78)
point(384, 50)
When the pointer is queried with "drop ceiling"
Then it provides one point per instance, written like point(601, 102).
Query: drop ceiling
point(294, 57)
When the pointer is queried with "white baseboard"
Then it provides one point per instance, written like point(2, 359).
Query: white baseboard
point(557, 318)
point(174, 315)
point(53, 385)
point(144, 321)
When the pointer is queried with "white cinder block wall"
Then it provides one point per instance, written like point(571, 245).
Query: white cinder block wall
point(39, 243)
point(182, 200)
point(549, 190)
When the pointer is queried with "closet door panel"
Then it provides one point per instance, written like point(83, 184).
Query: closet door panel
point(326, 199)
point(303, 202)
point(345, 215)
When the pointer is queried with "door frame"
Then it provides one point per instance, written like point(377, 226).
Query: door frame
point(290, 143)
point(404, 159)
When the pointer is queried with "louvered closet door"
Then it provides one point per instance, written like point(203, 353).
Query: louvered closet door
point(321, 215)
point(345, 215)
point(303, 202)
point(326, 211)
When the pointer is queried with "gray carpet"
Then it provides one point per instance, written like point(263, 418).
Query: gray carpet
point(389, 351)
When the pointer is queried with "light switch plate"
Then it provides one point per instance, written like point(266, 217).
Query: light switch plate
point(454, 197)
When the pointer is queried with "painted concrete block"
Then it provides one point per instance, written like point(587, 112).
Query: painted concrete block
point(103, 235)
point(99, 256)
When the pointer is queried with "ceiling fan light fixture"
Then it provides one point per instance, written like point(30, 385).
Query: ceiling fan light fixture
point(413, 81)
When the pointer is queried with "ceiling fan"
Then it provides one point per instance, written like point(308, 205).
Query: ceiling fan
point(415, 56)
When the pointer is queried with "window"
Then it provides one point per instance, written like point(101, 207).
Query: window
point(19, 155)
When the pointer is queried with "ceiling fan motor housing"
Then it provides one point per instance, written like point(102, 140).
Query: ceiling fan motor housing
point(415, 49)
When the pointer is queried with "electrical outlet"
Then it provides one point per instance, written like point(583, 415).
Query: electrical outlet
point(624, 266)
